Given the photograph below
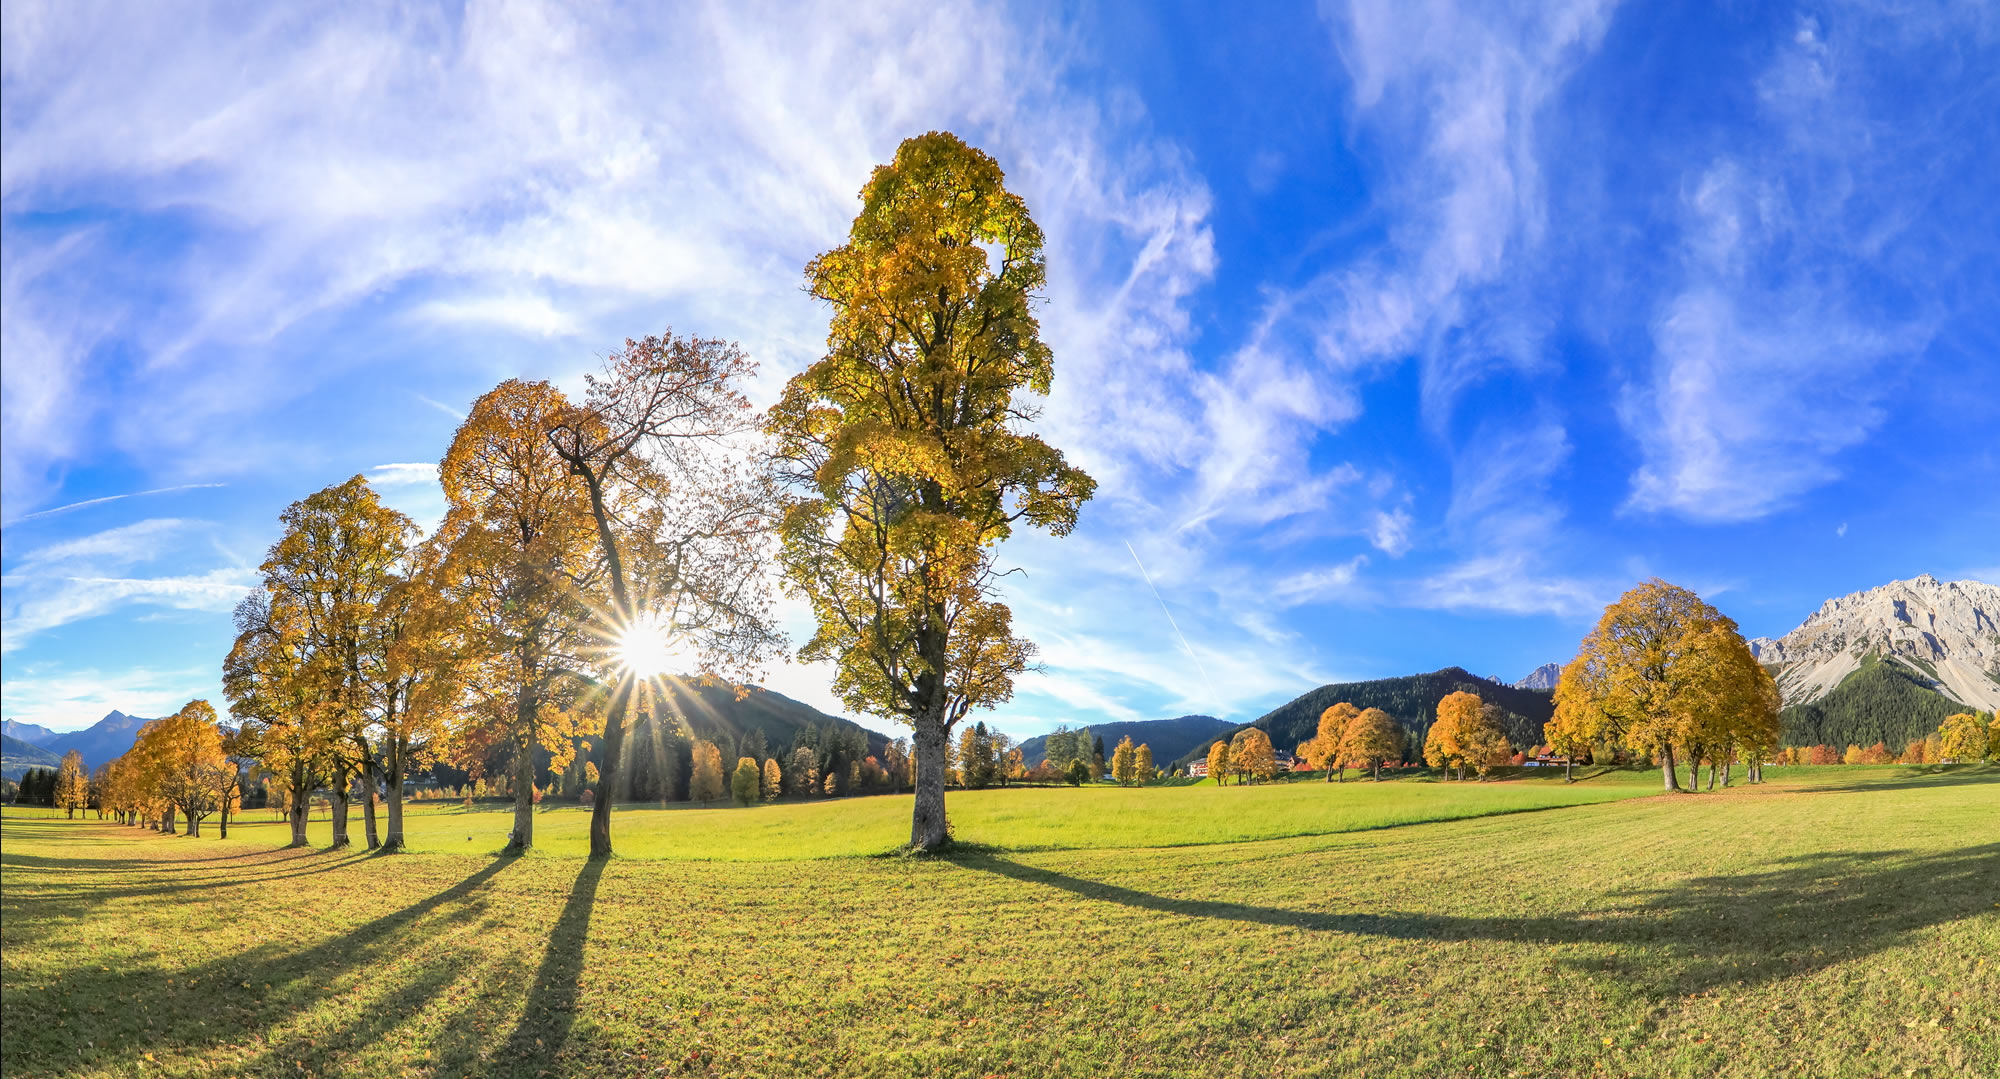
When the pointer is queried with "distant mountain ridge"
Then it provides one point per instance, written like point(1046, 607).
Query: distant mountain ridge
point(1411, 699)
point(1167, 738)
point(1941, 634)
point(105, 740)
point(712, 712)
point(32, 733)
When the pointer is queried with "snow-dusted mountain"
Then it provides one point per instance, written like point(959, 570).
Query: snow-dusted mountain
point(1946, 632)
point(1542, 677)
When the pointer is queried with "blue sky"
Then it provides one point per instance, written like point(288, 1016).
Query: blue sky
point(1398, 335)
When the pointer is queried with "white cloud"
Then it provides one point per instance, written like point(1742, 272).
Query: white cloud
point(35, 604)
point(402, 160)
point(1509, 584)
point(1809, 263)
point(1335, 583)
point(111, 548)
point(88, 502)
point(87, 576)
point(1390, 532)
point(72, 699)
point(1454, 93)
point(404, 474)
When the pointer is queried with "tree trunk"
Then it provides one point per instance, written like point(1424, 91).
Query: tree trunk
point(614, 754)
point(340, 782)
point(301, 803)
point(1668, 765)
point(527, 718)
point(1569, 768)
point(1378, 771)
point(369, 768)
point(167, 822)
point(928, 828)
point(522, 838)
point(621, 699)
point(392, 764)
point(222, 821)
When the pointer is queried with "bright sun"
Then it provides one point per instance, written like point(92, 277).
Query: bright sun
point(645, 649)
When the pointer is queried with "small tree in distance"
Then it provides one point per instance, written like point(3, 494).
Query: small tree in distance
point(773, 780)
point(705, 783)
point(1323, 750)
point(1078, 772)
point(1457, 716)
point(1218, 762)
point(1962, 738)
point(1124, 763)
point(1372, 737)
point(1251, 754)
point(1142, 763)
point(72, 786)
point(1484, 743)
point(745, 785)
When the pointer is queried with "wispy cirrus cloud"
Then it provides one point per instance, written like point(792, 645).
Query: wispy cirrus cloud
point(89, 576)
point(403, 474)
point(73, 698)
point(1811, 259)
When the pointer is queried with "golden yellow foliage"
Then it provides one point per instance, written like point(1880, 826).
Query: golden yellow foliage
point(1251, 755)
point(1663, 672)
point(1372, 737)
point(908, 450)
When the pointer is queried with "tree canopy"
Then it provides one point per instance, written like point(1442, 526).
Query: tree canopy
point(907, 454)
point(1664, 671)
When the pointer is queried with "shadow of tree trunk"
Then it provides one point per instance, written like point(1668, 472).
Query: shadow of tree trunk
point(538, 1040)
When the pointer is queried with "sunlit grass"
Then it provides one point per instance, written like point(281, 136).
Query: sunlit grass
point(1013, 819)
point(1836, 922)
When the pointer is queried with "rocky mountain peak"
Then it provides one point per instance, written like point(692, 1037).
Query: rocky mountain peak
point(1948, 632)
point(1542, 677)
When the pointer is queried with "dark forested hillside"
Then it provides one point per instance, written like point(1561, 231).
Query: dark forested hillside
point(659, 745)
point(1411, 699)
point(1168, 738)
point(1882, 701)
point(17, 756)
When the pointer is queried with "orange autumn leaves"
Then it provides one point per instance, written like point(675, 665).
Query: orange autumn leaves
point(1349, 736)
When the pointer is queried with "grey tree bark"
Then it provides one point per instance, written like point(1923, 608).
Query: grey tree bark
point(928, 827)
point(393, 753)
point(369, 770)
point(301, 801)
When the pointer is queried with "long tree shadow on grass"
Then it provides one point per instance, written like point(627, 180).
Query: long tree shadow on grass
point(536, 1044)
point(72, 901)
point(200, 1009)
point(1795, 916)
point(539, 1038)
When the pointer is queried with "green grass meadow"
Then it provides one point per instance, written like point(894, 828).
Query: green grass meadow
point(1837, 921)
point(1017, 819)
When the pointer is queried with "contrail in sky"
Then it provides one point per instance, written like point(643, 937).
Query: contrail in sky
point(1169, 614)
point(114, 498)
